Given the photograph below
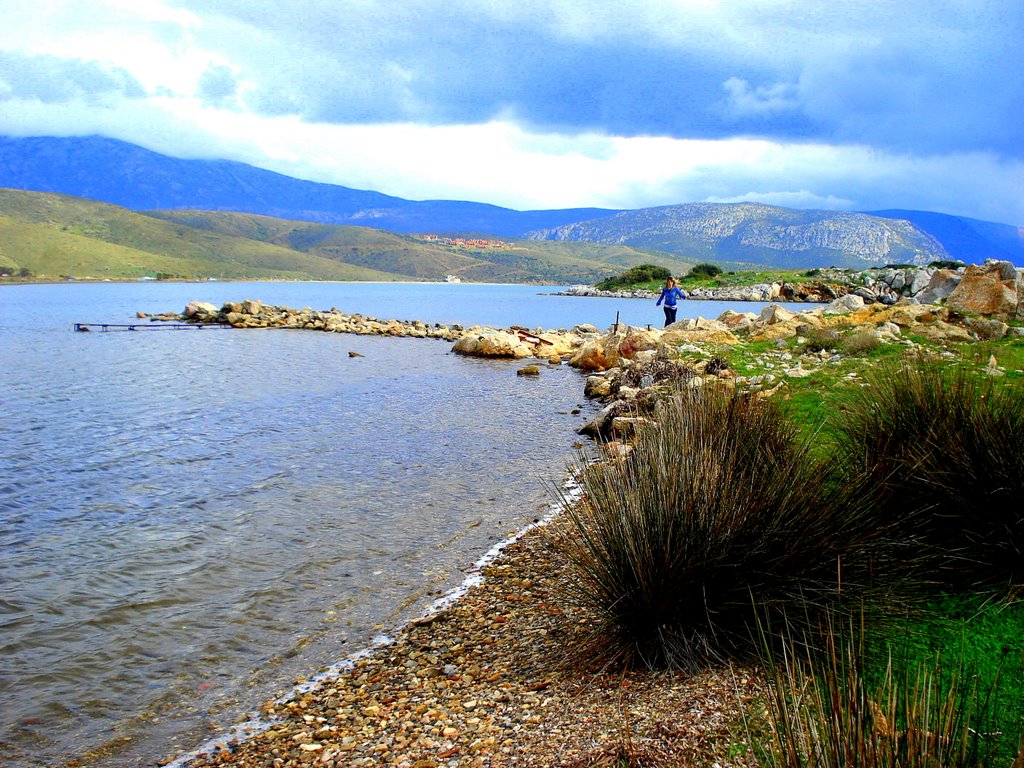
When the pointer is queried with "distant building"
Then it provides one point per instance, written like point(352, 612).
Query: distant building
point(452, 279)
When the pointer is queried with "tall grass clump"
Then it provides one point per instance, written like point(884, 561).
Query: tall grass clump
point(718, 513)
point(944, 445)
point(827, 713)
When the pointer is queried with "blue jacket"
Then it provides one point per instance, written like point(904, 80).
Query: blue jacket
point(669, 295)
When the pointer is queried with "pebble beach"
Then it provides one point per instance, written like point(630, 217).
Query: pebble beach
point(496, 679)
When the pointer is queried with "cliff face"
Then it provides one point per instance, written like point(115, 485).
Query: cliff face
point(749, 232)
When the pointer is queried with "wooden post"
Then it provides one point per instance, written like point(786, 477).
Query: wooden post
point(616, 323)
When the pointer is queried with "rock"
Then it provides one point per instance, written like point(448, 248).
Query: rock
point(597, 386)
point(773, 314)
point(628, 393)
point(918, 281)
point(529, 370)
point(616, 449)
point(625, 426)
point(601, 423)
point(492, 344)
point(592, 356)
point(251, 307)
point(988, 290)
point(355, 354)
point(554, 360)
point(585, 329)
point(700, 336)
point(198, 310)
point(987, 328)
point(737, 322)
point(942, 283)
point(848, 303)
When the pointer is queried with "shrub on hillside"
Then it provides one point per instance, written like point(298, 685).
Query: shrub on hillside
point(718, 513)
point(642, 273)
point(818, 339)
point(703, 270)
point(859, 343)
point(945, 448)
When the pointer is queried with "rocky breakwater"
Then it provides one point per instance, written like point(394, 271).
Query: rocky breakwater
point(477, 341)
point(255, 314)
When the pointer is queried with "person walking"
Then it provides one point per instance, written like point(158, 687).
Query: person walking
point(669, 294)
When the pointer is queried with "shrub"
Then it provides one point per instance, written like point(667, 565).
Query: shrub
point(946, 264)
point(818, 339)
point(859, 343)
point(642, 273)
point(704, 270)
point(717, 509)
point(945, 448)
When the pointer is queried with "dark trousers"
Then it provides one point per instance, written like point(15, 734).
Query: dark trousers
point(670, 315)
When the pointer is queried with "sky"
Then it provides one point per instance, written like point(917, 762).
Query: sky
point(843, 105)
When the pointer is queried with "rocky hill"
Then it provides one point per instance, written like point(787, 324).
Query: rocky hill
point(762, 234)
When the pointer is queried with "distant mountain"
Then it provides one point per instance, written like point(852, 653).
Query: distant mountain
point(53, 235)
point(969, 240)
point(141, 180)
point(136, 178)
point(760, 234)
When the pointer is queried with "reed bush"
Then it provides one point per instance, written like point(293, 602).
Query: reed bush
point(860, 343)
point(827, 713)
point(717, 513)
point(945, 447)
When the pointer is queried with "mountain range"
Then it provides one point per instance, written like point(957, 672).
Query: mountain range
point(140, 180)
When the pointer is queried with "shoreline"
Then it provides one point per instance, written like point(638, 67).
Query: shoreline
point(474, 576)
point(486, 682)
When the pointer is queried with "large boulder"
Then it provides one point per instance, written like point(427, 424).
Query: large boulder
point(773, 314)
point(941, 284)
point(604, 352)
point(990, 289)
point(201, 311)
point(851, 302)
point(492, 344)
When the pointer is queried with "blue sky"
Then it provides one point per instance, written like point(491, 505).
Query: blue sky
point(852, 104)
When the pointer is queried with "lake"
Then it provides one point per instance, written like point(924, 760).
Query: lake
point(190, 521)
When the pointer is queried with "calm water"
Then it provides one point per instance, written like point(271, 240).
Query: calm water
point(191, 520)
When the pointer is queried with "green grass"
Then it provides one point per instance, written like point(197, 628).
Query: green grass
point(844, 699)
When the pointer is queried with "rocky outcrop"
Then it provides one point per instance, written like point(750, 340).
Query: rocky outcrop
point(994, 289)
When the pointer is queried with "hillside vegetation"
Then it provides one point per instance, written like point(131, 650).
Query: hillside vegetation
point(52, 236)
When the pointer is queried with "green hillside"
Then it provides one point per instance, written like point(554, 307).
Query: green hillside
point(56, 235)
point(523, 261)
point(53, 236)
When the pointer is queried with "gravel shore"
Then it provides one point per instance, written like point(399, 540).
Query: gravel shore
point(487, 682)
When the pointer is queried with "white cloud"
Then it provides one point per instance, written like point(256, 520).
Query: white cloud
point(500, 162)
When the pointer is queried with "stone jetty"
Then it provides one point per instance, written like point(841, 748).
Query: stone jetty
point(477, 341)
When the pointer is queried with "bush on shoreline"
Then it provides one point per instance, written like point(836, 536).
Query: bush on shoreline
point(718, 514)
point(944, 445)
